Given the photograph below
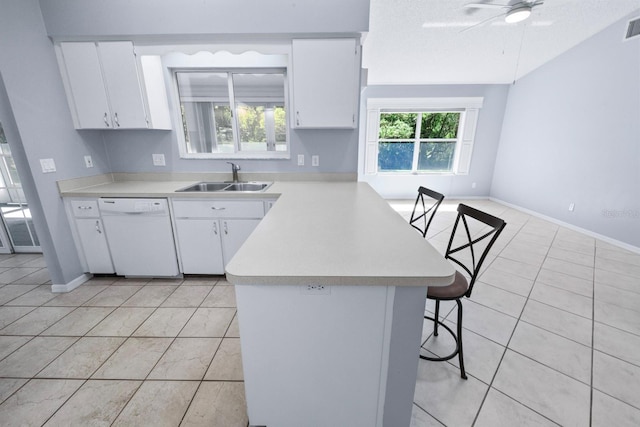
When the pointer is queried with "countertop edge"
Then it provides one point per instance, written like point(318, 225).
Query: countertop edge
point(338, 280)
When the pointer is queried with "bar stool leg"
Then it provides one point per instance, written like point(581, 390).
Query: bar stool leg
point(437, 317)
point(463, 374)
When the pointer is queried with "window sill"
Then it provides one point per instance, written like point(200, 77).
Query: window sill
point(400, 173)
point(237, 156)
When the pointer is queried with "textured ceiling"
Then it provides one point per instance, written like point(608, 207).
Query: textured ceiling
point(431, 42)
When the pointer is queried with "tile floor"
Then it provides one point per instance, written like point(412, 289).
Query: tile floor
point(117, 351)
point(552, 334)
point(551, 331)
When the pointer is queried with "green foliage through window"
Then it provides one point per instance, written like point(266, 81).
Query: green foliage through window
point(399, 149)
point(228, 112)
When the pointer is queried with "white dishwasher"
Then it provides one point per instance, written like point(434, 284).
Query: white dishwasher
point(140, 236)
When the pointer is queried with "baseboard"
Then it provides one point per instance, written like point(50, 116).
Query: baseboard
point(590, 233)
point(68, 287)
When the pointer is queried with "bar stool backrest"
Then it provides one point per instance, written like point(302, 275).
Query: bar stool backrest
point(471, 253)
point(424, 209)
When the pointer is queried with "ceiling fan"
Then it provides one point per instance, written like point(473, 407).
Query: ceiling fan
point(516, 12)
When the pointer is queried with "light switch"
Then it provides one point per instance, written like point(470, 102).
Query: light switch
point(315, 160)
point(158, 160)
point(300, 159)
point(88, 161)
point(48, 165)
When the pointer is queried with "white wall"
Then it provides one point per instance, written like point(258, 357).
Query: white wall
point(38, 125)
point(34, 110)
point(571, 134)
point(245, 21)
point(202, 18)
point(484, 149)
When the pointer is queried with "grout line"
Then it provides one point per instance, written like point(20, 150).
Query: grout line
point(506, 347)
point(593, 335)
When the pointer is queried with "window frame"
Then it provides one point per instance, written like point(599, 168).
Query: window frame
point(417, 140)
point(237, 153)
point(468, 107)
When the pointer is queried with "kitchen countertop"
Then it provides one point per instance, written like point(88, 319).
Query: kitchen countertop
point(336, 234)
point(158, 189)
point(325, 233)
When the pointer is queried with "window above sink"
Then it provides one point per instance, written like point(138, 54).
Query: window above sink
point(231, 106)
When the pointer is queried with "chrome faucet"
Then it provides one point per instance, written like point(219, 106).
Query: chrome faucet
point(234, 170)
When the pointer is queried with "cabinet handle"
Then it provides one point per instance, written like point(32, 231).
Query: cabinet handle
point(297, 118)
point(106, 120)
point(115, 117)
point(84, 207)
point(217, 209)
point(215, 228)
point(226, 230)
point(98, 227)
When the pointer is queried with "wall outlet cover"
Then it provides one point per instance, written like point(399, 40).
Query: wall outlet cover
point(300, 159)
point(158, 160)
point(315, 160)
point(315, 290)
point(48, 165)
point(88, 161)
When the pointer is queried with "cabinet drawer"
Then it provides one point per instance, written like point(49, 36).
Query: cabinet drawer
point(85, 208)
point(218, 209)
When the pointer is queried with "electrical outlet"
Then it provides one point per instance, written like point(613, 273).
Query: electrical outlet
point(158, 160)
point(315, 160)
point(300, 159)
point(571, 207)
point(88, 161)
point(473, 185)
point(315, 290)
point(48, 165)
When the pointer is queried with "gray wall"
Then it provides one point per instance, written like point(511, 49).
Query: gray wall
point(143, 18)
point(130, 151)
point(33, 105)
point(484, 148)
point(571, 134)
point(34, 112)
point(211, 21)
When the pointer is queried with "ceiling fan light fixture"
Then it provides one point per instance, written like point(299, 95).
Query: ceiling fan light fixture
point(517, 14)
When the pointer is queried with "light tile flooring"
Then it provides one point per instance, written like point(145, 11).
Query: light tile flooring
point(117, 351)
point(551, 337)
point(551, 332)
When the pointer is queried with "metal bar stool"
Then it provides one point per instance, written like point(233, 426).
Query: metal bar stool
point(470, 264)
point(429, 201)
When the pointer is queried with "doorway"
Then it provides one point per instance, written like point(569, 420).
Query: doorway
point(17, 233)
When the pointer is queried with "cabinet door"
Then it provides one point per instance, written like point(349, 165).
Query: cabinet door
point(234, 234)
point(88, 101)
point(123, 85)
point(94, 245)
point(325, 79)
point(200, 246)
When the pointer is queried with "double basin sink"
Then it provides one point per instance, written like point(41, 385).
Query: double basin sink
point(210, 187)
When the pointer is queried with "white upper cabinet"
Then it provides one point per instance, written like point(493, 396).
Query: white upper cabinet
point(106, 87)
point(325, 83)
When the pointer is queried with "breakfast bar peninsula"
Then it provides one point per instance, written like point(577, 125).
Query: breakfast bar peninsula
point(331, 292)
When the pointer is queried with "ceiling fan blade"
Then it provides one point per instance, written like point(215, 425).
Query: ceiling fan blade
point(487, 6)
point(481, 23)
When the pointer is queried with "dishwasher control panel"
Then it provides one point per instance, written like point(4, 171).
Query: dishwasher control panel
point(115, 206)
point(148, 206)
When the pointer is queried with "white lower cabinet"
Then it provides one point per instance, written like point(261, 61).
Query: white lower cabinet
point(200, 246)
point(234, 234)
point(94, 244)
point(89, 236)
point(210, 232)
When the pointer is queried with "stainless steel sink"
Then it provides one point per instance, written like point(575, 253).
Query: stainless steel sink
point(226, 186)
point(206, 186)
point(247, 186)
